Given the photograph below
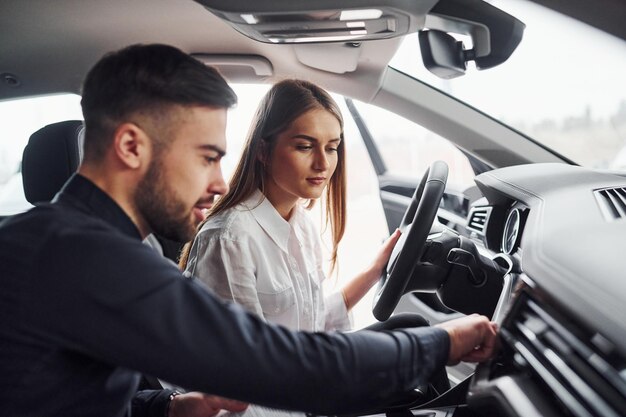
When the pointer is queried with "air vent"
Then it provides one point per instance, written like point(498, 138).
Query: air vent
point(478, 218)
point(612, 202)
point(581, 369)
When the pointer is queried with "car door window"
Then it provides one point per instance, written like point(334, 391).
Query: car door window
point(407, 148)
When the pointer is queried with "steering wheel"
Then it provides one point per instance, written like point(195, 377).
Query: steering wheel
point(415, 227)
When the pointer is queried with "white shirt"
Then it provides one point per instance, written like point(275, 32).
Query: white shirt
point(251, 255)
point(153, 242)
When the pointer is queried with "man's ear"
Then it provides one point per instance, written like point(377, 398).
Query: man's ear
point(131, 145)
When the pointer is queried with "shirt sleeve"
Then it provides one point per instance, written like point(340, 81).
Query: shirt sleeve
point(224, 265)
point(151, 320)
point(337, 315)
point(151, 403)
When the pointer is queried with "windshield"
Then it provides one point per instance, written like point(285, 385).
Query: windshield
point(563, 87)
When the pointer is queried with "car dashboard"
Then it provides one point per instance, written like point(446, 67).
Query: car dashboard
point(559, 233)
point(562, 229)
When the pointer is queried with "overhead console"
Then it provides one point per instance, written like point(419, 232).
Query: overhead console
point(493, 34)
point(288, 21)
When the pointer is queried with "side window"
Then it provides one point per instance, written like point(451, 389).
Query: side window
point(366, 227)
point(239, 120)
point(407, 149)
point(18, 120)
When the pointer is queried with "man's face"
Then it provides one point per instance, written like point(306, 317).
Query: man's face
point(184, 177)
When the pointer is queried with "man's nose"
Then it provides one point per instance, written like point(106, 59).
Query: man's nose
point(217, 185)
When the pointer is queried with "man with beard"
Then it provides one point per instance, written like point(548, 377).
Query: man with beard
point(86, 306)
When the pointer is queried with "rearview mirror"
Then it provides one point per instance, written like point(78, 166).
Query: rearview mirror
point(442, 54)
point(494, 36)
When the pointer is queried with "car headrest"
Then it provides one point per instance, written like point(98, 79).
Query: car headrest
point(51, 157)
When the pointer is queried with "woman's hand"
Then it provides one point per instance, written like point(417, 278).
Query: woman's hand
point(384, 253)
point(361, 284)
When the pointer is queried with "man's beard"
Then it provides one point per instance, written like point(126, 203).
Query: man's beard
point(161, 208)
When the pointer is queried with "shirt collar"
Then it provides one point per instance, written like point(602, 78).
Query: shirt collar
point(277, 228)
point(81, 193)
point(297, 222)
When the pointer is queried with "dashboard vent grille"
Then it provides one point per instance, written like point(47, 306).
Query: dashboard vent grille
point(612, 202)
point(478, 218)
point(581, 370)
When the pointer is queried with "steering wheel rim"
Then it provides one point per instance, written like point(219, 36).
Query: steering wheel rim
point(415, 226)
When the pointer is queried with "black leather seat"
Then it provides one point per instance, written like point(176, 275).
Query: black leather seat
point(51, 156)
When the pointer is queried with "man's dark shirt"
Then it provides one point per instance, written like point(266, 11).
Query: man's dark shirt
point(85, 307)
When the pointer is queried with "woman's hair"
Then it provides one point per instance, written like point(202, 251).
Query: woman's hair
point(279, 108)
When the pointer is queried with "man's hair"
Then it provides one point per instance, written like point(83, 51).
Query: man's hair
point(145, 80)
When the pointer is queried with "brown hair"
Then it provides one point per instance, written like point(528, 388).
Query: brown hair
point(279, 108)
point(145, 79)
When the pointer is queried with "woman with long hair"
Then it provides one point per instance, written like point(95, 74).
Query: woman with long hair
point(258, 246)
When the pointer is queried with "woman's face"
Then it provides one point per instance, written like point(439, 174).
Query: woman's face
point(304, 158)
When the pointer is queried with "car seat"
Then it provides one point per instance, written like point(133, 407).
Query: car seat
point(51, 156)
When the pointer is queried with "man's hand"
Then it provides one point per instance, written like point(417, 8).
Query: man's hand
point(472, 338)
point(197, 404)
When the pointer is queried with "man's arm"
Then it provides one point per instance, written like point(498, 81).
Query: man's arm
point(169, 403)
point(151, 403)
point(176, 329)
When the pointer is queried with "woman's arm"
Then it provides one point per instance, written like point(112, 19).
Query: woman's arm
point(225, 266)
point(361, 284)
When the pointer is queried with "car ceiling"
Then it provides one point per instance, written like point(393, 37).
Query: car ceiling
point(608, 15)
point(66, 37)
